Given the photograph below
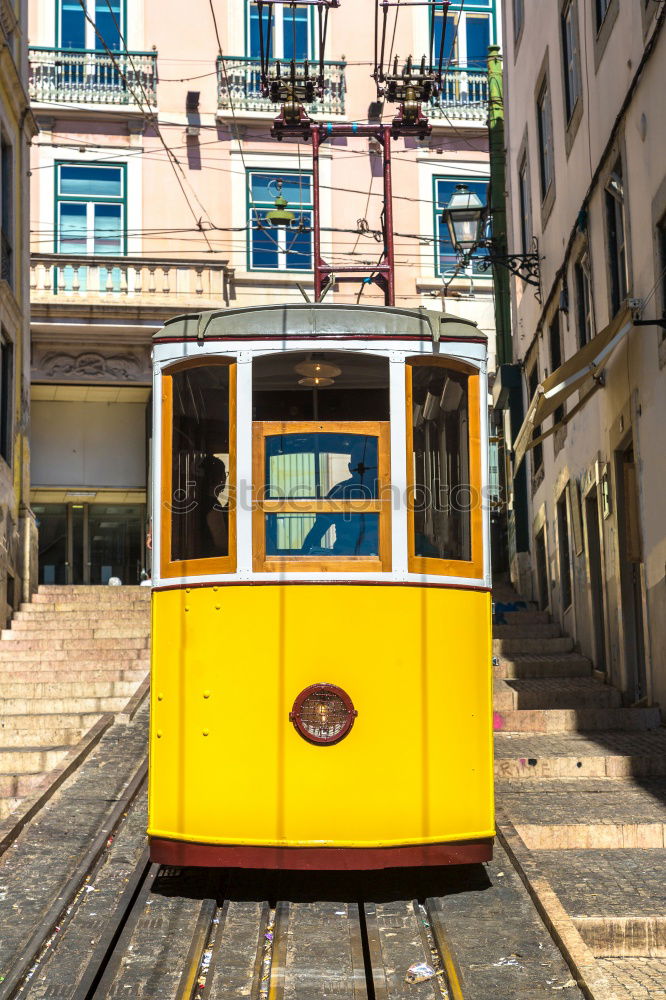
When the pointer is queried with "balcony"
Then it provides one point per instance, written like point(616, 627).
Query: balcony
point(463, 98)
point(239, 89)
point(84, 76)
point(157, 286)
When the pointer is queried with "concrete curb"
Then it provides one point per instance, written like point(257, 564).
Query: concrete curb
point(592, 982)
point(15, 823)
point(127, 713)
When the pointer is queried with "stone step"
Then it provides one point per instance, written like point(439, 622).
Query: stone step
point(619, 937)
point(56, 735)
point(89, 674)
point(31, 760)
point(522, 617)
point(551, 631)
point(87, 588)
point(63, 602)
point(537, 665)
point(9, 649)
point(35, 617)
point(39, 708)
point(524, 646)
point(38, 725)
point(90, 655)
point(613, 754)
point(576, 720)
point(18, 785)
point(586, 815)
point(550, 693)
point(48, 689)
point(78, 605)
point(617, 898)
point(39, 633)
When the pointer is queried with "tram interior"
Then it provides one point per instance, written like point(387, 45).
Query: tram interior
point(200, 457)
point(306, 406)
point(332, 462)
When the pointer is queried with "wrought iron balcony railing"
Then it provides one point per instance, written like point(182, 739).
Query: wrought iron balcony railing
point(84, 76)
point(137, 282)
point(239, 87)
point(464, 96)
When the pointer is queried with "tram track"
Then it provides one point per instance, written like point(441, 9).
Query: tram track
point(190, 934)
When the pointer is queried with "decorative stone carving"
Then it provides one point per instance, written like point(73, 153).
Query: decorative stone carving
point(91, 366)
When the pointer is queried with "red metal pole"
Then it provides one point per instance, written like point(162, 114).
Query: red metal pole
point(388, 218)
point(316, 228)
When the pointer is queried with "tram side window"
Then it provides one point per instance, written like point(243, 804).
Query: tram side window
point(199, 499)
point(442, 491)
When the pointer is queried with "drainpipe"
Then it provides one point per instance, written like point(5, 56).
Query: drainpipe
point(498, 203)
point(507, 392)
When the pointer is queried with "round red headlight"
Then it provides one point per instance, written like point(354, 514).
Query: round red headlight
point(323, 714)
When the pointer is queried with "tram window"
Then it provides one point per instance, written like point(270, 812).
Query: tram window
point(321, 385)
point(329, 534)
point(322, 494)
point(320, 466)
point(443, 490)
point(199, 501)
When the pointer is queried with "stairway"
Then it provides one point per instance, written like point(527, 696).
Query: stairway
point(581, 781)
point(542, 685)
point(71, 654)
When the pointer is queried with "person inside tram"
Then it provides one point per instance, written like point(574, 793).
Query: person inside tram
point(214, 510)
point(355, 533)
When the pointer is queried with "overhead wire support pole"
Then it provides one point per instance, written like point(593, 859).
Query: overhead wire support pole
point(388, 218)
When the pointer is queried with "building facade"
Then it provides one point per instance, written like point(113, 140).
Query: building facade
point(586, 168)
point(17, 126)
point(152, 176)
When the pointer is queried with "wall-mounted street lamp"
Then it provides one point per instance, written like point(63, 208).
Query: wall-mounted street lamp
point(466, 218)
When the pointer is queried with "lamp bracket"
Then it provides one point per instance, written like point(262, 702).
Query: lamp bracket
point(526, 266)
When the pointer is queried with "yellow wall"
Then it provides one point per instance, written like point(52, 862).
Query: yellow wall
point(229, 661)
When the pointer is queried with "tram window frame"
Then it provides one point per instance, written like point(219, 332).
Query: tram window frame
point(434, 565)
point(263, 563)
point(209, 564)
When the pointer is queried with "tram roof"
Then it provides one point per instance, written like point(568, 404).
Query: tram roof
point(323, 320)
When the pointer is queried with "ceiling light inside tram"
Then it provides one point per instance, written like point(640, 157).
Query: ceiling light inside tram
point(318, 369)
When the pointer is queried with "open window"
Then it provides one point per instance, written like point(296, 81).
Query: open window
point(198, 468)
point(321, 467)
point(444, 468)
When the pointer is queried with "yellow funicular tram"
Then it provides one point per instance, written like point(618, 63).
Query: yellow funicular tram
point(321, 656)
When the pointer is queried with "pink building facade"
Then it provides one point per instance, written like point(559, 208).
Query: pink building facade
point(152, 175)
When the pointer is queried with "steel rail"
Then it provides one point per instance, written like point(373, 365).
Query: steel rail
point(57, 911)
point(446, 953)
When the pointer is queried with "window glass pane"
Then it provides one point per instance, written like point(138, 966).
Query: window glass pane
point(264, 248)
point(478, 40)
point(443, 497)
point(199, 500)
point(107, 22)
point(343, 534)
point(91, 182)
point(446, 255)
point(299, 244)
point(318, 466)
point(295, 188)
point(72, 229)
point(295, 23)
point(108, 229)
point(255, 47)
point(72, 25)
point(448, 55)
